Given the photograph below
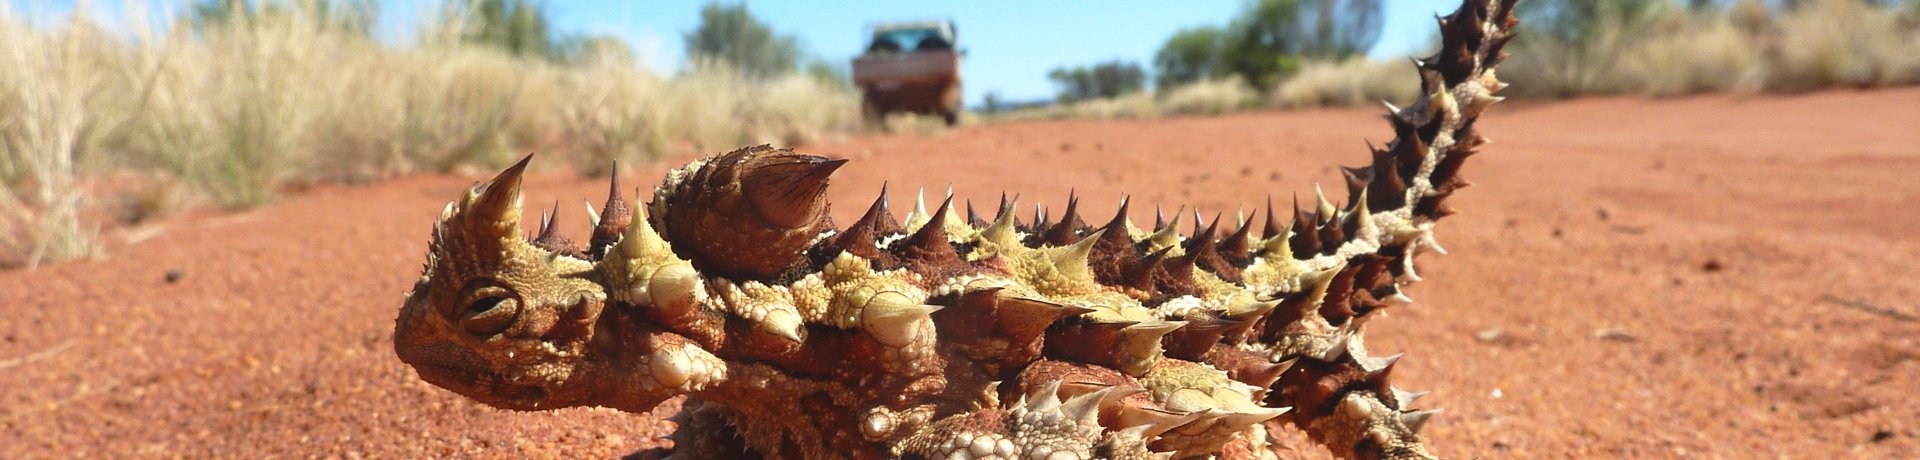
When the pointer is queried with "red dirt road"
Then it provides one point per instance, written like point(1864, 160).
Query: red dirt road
point(1630, 278)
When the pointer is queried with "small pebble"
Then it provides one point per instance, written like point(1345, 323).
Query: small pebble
point(1614, 335)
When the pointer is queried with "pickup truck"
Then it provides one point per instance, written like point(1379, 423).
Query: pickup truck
point(910, 67)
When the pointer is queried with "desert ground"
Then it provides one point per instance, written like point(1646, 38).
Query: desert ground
point(1706, 277)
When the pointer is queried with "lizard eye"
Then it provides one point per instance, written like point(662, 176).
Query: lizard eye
point(491, 311)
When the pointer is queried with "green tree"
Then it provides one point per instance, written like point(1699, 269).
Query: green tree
point(1337, 29)
point(1261, 46)
point(1577, 22)
point(729, 34)
point(514, 26)
point(1102, 80)
point(1190, 55)
point(1268, 40)
point(1571, 46)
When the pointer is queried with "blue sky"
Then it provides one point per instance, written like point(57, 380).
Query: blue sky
point(1010, 45)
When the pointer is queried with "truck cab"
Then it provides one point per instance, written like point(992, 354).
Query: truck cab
point(910, 67)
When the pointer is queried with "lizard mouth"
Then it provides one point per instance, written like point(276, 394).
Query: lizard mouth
point(486, 386)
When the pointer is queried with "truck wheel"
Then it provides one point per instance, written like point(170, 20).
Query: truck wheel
point(872, 115)
point(952, 117)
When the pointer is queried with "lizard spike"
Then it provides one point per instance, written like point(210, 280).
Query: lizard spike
point(1002, 230)
point(1072, 260)
point(544, 228)
point(496, 210)
point(1388, 187)
point(684, 368)
point(1360, 219)
point(1264, 375)
point(1249, 307)
point(918, 216)
point(1403, 398)
point(1341, 347)
point(1326, 208)
point(1236, 421)
point(1114, 253)
point(1427, 241)
point(928, 246)
point(1142, 340)
point(1331, 233)
point(1040, 218)
point(1160, 218)
point(674, 289)
point(1195, 341)
point(642, 241)
point(862, 238)
point(1417, 420)
point(1139, 273)
point(1273, 228)
point(783, 323)
point(1007, 205)
point(1114, 234)
point(1085, 408)
point(1065, 231)
point(1045, 398)
point(1236, 249)
point(788, 190)
point(886, 224)
point(1378, 363)
point(1155, 421)
point(973, 218)
point(1131, 347)
point(1356, 179)
point(1023, 319)
point(1305, 240)
point(1202, 251)
point(593, 215)
point(549, 238)
point(750, 213)
point(1166, 234)
point(611, 221)
point(893, 319)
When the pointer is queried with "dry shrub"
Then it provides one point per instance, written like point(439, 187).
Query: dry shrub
point(1687, 54)
point(1748, 47)
point(48, 83)
point(1843, 43)
point(237, 110)
point(1346, 83)
point(1209, 97)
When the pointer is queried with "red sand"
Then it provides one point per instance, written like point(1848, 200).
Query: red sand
point(1630, 278)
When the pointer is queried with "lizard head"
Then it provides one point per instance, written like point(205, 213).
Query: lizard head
point(497, 318)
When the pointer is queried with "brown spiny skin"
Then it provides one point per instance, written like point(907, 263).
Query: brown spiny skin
point(939, 336)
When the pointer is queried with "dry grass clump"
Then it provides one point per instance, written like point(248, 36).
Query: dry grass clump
point(47, 85)
point(1843, 43)
point(1662, 50)
point(1669, 50)
point(237, 110)
point(1346, 83)
point(1209, 97)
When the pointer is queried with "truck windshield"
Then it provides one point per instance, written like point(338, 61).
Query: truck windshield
point(909, 40)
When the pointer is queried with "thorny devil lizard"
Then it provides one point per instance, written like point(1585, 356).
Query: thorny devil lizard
point(944, 337)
